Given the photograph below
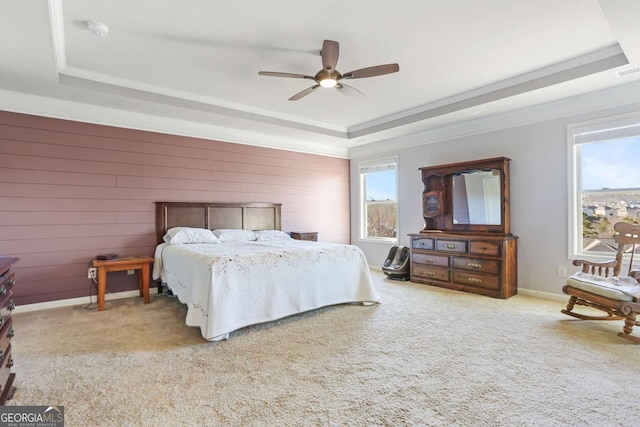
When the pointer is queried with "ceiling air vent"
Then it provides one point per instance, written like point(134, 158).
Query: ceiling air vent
point(628, 71)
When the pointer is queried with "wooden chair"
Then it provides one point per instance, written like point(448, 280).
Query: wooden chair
point(615, 303)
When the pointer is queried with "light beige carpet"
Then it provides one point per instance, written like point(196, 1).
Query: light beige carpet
point(426, 356)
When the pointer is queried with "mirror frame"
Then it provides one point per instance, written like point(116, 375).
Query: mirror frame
point(438, 182)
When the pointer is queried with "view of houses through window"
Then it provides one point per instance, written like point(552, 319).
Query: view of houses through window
point(608, 190)
point(379, 202)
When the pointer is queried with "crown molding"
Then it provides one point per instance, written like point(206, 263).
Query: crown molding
point(76, 111)
point(623, 96)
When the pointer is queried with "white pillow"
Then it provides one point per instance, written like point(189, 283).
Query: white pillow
point(272, 235)
point(185, 235)
point(234, 234)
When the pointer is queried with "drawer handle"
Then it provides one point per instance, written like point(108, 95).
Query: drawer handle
point(12, 305)
point(474, 280)
point(11, 333)
point(10, 362)
point(1, 354)
point(11, 283)
point(450, 246)
point(430, 273)
point(3, 291)
point(430, 260)
point(474, 265)
point(1, 322)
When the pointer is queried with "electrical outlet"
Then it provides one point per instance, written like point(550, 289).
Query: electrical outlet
point(561, 271)
point(92, 273)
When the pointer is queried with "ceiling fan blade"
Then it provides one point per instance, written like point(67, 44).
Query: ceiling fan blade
point(377, 70)
point(304, 93)
point(278, 74)
point(349, 91)
point(330, 53)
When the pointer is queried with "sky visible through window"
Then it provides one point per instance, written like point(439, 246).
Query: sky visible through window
point(381, 185)
point(611, 164)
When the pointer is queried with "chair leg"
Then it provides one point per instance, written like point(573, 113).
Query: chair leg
point(571, 303)
point(629, 323)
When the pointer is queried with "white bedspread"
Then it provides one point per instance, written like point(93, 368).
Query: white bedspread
point(231, 285)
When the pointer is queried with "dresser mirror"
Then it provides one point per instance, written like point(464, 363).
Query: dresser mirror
point(476, 197)
point(467, 196)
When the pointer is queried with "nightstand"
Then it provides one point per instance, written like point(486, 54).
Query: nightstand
point(140, 263)
point(305, 235)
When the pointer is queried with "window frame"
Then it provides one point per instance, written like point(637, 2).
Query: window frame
point(362, 232)
point(609, 128)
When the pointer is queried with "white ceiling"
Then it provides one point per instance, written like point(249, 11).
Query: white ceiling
point(191, 67)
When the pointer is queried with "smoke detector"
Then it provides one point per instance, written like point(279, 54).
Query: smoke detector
point(98, 28)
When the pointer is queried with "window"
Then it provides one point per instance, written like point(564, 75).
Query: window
point(378, 201)
point(604, 183)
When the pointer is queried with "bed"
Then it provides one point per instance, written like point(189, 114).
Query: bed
point(254, 273)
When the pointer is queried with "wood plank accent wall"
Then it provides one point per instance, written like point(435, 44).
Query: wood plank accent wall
point(70, 191)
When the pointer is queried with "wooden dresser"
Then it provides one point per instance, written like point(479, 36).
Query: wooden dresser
point(483, 264)
point(7, 305)
point(466, 243)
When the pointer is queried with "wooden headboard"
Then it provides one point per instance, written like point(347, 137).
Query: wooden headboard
point(248, 216)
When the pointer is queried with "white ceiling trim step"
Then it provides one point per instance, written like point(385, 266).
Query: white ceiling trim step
point(584, 65)
point(85, 80)
point(601, 60)
point(605, 99)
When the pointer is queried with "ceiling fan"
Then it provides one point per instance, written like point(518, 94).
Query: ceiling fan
point(330, 77)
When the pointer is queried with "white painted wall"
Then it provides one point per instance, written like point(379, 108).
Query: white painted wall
point(539, 217)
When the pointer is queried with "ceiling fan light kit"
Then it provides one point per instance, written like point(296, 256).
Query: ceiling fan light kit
point(329, 77)
point(328, 82)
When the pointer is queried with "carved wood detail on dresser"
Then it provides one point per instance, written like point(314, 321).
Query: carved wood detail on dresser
point(7, 281)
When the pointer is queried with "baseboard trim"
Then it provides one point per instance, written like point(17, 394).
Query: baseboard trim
point(79, 301)
point(543, 295)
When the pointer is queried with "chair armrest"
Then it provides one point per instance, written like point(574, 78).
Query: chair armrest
point(596, 268)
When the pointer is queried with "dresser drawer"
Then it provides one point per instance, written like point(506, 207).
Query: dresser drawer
point(477, 264)
point(476, 279)
point(6, 307)
point(485, 248)
point(429, 272)
point(6, 282)
point(440, 261)
point(6, 333)
point(5, 369)
point(423, 243)
point(452, 246)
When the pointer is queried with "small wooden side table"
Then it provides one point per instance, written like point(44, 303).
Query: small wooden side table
point(139, 263)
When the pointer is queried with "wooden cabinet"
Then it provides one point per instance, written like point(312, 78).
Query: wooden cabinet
point(305, 235)
point(7, 281)
point(482, 264)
